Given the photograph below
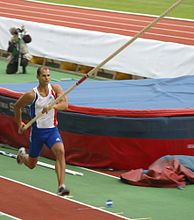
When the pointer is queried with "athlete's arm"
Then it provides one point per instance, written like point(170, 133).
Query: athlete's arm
point(23, 101)
point(63, 103)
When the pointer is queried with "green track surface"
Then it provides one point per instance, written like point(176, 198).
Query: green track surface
point(94, 189)
point(152, 7)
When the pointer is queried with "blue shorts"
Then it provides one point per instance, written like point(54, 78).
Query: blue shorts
point(41, 136)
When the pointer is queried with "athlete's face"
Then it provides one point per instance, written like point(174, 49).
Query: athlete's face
point(44, 77)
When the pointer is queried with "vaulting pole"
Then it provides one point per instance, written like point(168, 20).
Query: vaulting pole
point(90, 73)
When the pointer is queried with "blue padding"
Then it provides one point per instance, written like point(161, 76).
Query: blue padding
point(165, 128)
point(147, 128)
point(127, 94)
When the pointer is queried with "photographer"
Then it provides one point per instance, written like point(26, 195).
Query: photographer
point(19, 54)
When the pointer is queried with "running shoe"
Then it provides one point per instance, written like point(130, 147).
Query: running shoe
point(63, 191)
point(20, 153)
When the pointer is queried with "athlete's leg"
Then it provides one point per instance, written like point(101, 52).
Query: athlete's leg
point(31, 159)
point(23, 157)
point(60, 165)
point(54, 142)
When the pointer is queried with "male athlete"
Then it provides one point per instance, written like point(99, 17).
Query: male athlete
point(44, 130)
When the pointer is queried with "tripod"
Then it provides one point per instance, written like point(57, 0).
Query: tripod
point(20, 36)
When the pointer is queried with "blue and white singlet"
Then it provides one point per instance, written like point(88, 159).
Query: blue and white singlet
point(48, 120)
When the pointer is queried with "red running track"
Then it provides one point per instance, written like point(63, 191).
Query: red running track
point(169, 30)
point(29, 203)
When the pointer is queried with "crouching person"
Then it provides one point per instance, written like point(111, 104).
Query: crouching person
point(18, 49)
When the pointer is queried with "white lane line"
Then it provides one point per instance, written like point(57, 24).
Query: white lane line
point(107, 10)
point(10, 216)
point(98, 172)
